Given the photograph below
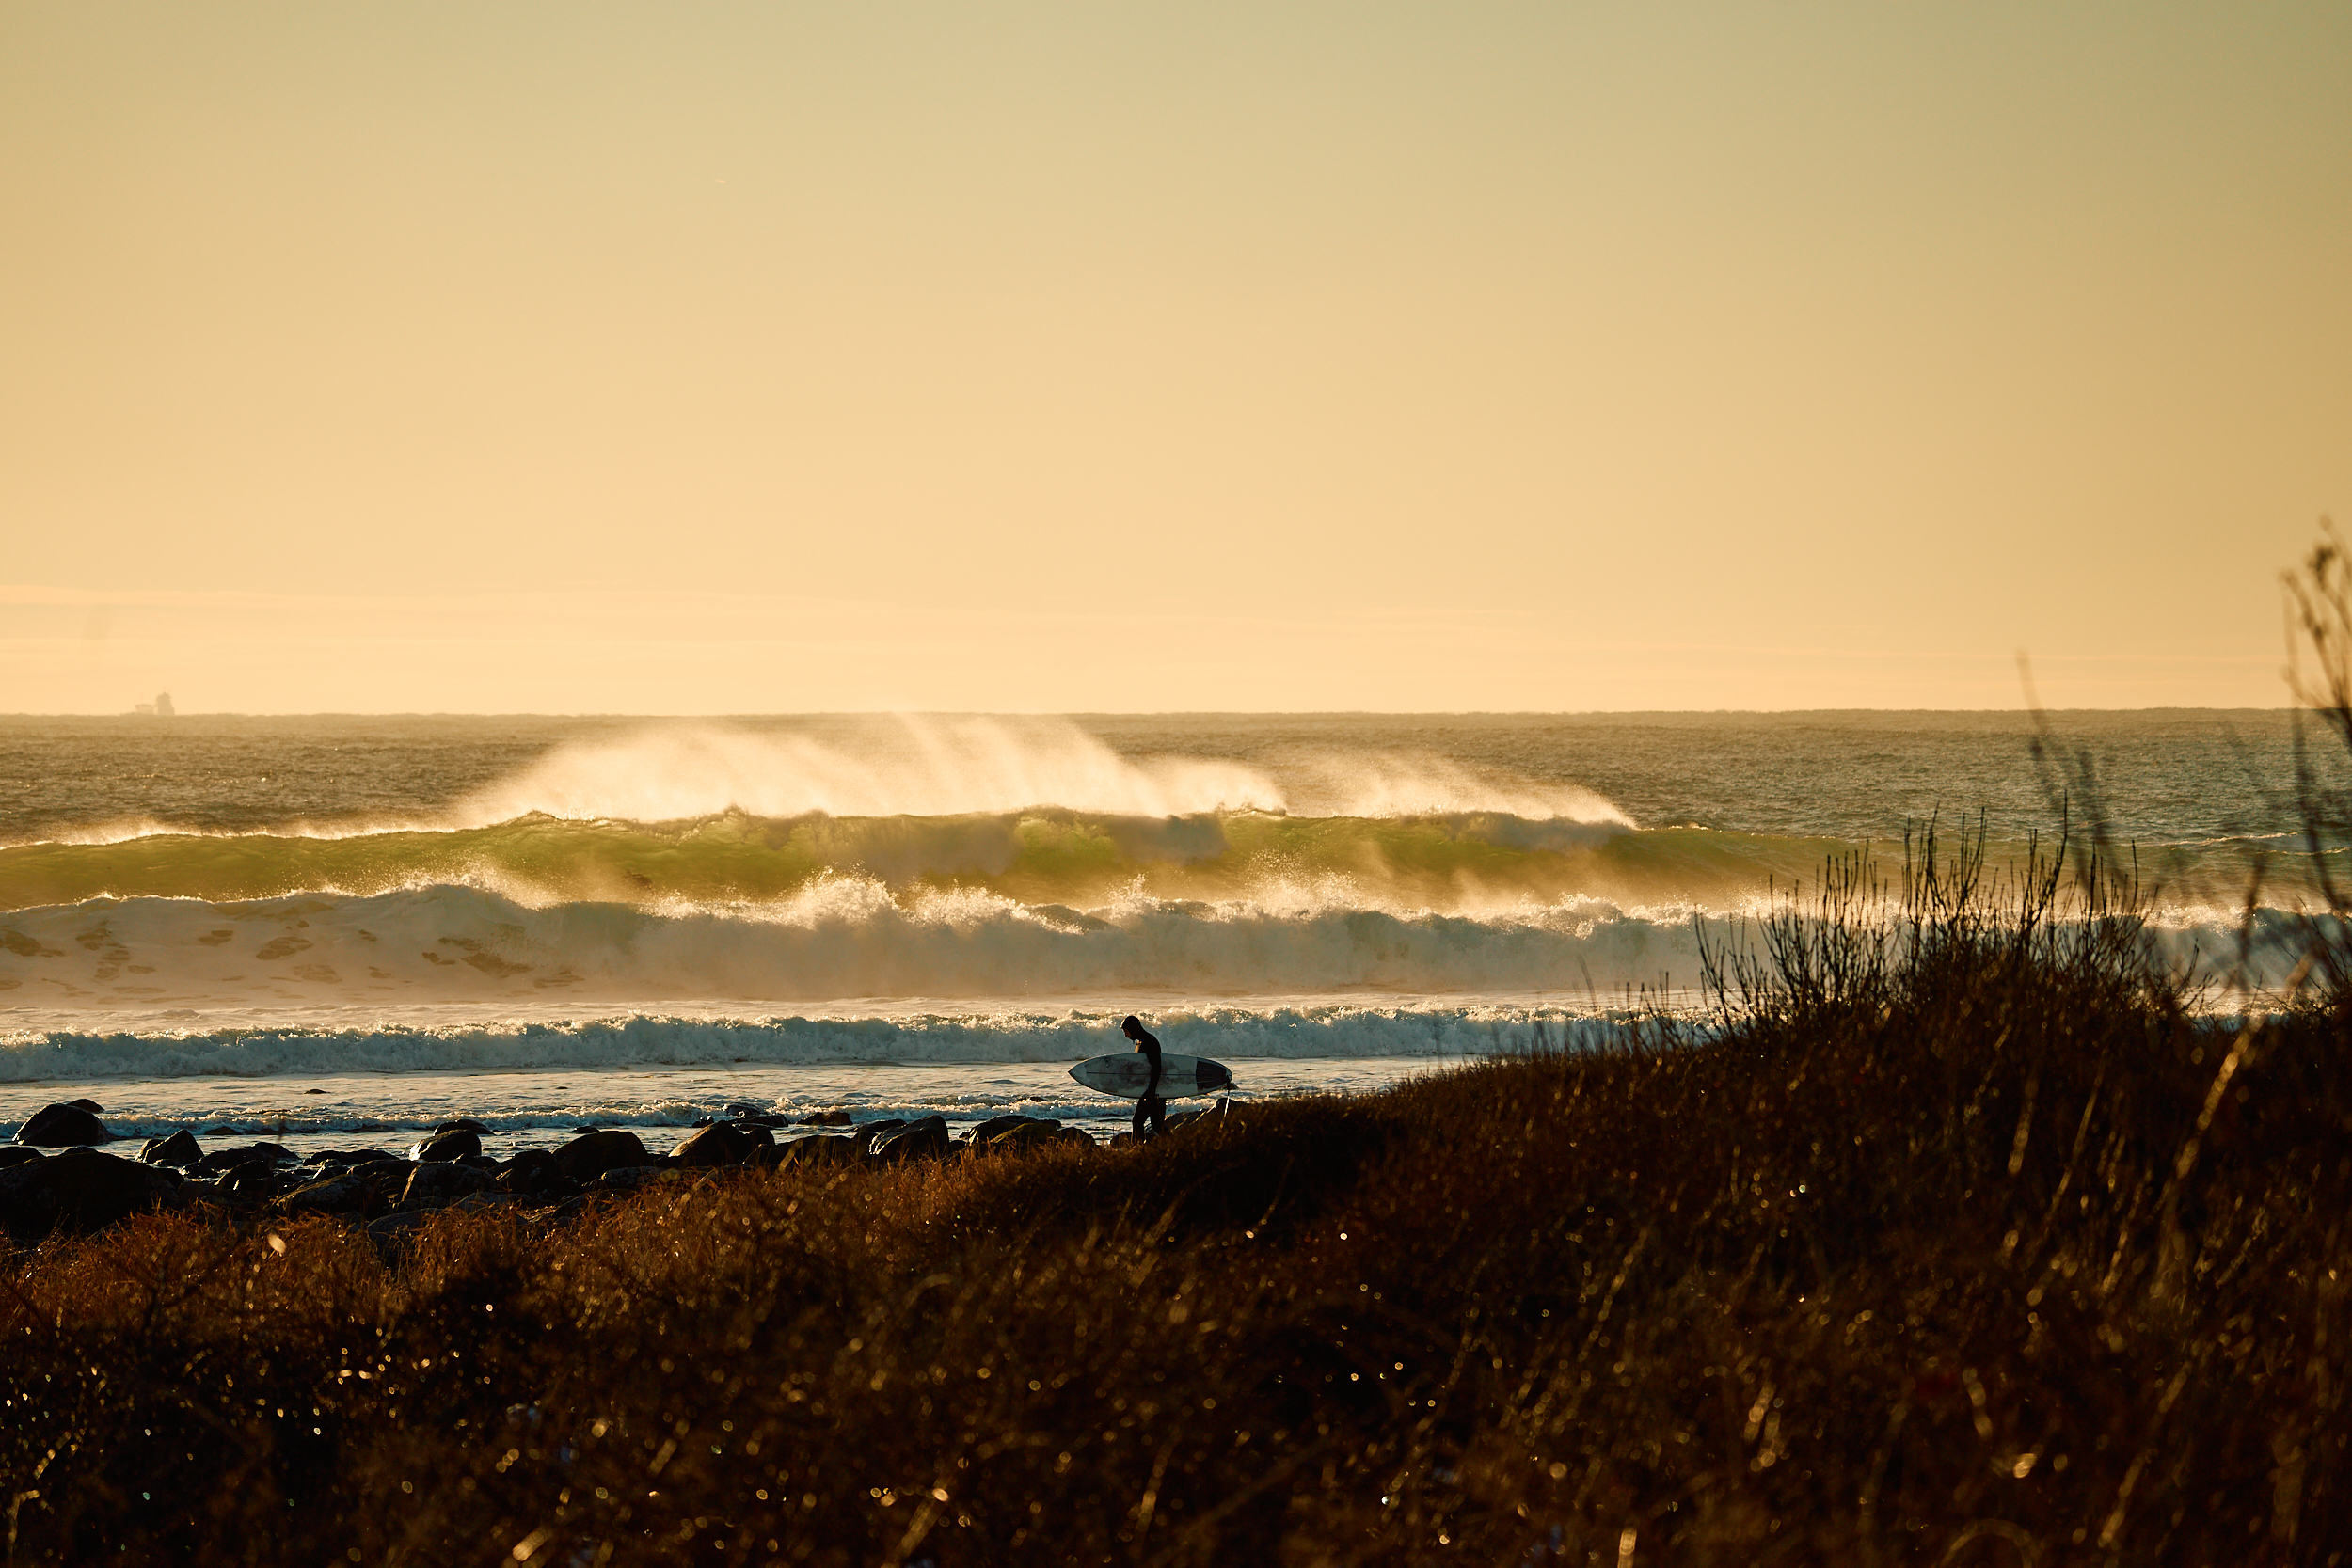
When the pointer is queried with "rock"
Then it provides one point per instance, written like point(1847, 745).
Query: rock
point(721, 1144)
point(389, 1234)
point(90, 1105)
point(216, 1159)
point(181, 1148)
point(822, 1149)
point(1196, 1122)
point(826, 1118)
point(457, 1144)
point(995, 1125)
point(923, 1139)
point(745, 1110)
point(363, 1191)
point(441, 1181)
point(254, 1181)
point(392, 1234)
point(591, 1154)
point(79, 1191)
point(463, 1124)
point(623, 1179)
point(343, 1159)
point(533, 1173)
point(1025, 1133)
point(868, 1134)
point(17, 1154)
point(63, 1126)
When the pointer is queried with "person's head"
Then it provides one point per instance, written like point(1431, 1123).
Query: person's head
point(1133, 1028)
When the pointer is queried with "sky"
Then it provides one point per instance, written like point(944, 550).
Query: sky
point(1034, 357)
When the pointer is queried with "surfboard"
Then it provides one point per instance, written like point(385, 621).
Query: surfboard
point(1130, 1072)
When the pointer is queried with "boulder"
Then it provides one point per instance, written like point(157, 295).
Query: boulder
point(872, 1131)
point(624, 1180)
point(79, 1191)
point(364, 1191)
point(822, 1149)
point(388, 1234)
point(218, 1160)
point(442, 1180)
point(1025, 1133)
point(90, 1105)
point(923, 1139)
point(64, 1125)
point(1196, 1122)
point(463, 1124)
point(746, 1110)
point(341, 1160)
point(456, 1143)
point(254, 1181)
point(826, 1118)
point(591, 1154)
point(995, 1125)
point(17, 1154)
point(180, 1150)
point(533, 1173)
point(721, 1144)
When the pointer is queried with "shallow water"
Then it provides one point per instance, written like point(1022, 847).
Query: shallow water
point(536, 1110)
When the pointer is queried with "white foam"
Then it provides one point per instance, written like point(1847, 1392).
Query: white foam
point(907, 765)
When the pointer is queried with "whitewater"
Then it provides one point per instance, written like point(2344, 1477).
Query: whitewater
point(328, 927)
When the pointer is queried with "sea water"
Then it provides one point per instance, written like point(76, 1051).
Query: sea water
point(341, 930)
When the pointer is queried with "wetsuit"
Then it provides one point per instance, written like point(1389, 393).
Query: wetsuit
point(1151, 1105)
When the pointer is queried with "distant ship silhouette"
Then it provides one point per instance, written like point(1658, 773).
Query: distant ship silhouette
point(160, 708)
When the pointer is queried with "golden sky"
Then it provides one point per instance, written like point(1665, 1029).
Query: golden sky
point(1035, 358)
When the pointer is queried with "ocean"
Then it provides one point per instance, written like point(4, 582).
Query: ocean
point(335, 930)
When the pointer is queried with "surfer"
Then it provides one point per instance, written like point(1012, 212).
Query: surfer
point(1150, 1104)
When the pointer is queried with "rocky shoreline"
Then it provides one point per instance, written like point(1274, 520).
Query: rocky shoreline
point(80, 1189)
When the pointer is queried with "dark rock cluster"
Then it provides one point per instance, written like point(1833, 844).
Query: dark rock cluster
point(80, 1190)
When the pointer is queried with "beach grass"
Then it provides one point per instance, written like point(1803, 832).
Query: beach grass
point(1957, 1237)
